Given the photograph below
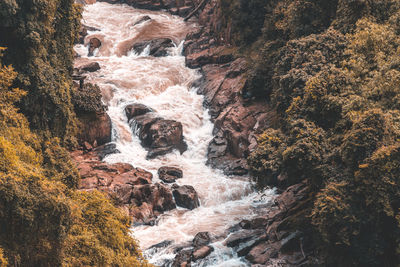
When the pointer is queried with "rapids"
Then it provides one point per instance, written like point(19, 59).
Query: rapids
point(164, 84)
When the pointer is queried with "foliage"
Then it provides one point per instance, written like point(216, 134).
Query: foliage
point(44, 221)
point(87, 99)
point(100, 234)
point(336, 87)
point(39, 36)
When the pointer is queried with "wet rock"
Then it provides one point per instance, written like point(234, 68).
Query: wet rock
point(106, 149)
point(186, 197)
point(94, 43)
point(261, 253)
point(83, 32)
point(246, 247)
point(141, 125)
point(141, 20)
point(134, 110)
point(88, 67)
point(242, 236)
point(201, 239)
point(158, 47)
point(157, 195)
point(169, 174)
point(218, 55)
point(165, 134)
point(183, 258)
point(291, 242)
point(202, 252)
point(162, 244)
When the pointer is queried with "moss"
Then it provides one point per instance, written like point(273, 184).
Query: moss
point(39, 36)
point(44, 221)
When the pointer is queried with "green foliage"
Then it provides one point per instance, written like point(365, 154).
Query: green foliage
point(244, 19)
point(100, 234)
point(44, 221)
point(88, 99)
point(39, 36)
point(337, 93)
point(3, 259)
point(58, 164)
point(266, 161)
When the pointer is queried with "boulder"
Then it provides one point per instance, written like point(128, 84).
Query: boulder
point(164, 133)
point(169, 174)
point(157, 195)
point(202, 252)
point(88, 67)
point(134, 110)
point(158, 135)
point(158, 47)
point(94, 127)
point(105, 150)
point(201, 239)
point(94, 43)
point(186, 197)
point(183, 258)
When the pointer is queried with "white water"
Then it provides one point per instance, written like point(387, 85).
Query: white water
point(163, 84)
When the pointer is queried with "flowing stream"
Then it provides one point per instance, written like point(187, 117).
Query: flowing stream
point(164, 84)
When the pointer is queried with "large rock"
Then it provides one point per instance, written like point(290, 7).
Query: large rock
point(201, 239)
point(158, 47)
point(87, 67)
point(134, 110)
point(157, 195)
point(169, 174)
point(159, 136)
point(94, 128)
point(94, 43)
point(202, 252)
point(186, 197)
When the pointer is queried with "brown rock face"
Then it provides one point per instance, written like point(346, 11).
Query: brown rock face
point(169, 174)
point(87, 67)
point(94, 127)
point(186, 197)
point(130, 187)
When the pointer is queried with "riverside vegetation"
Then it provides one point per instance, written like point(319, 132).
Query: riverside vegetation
point(330, 72)
point(44, 220)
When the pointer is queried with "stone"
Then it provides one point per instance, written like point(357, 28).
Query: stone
point(201, 239)
point(242, 236)
point(94, 43)
point(136, 109)
point(107, 149)
point(94, 127)
point(169, 174)
point(183, 258)
point(186, 197)
point(202, 252)
point(158, 47)
point(88, 67)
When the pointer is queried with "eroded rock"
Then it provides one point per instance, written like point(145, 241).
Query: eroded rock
point(169, 174)
point(186, 197)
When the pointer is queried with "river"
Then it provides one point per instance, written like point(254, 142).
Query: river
point(164, 84)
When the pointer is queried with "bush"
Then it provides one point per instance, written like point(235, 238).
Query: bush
point(88, 99)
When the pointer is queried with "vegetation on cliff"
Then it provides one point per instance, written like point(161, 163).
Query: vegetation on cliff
point(331, 71)
point(44, 220)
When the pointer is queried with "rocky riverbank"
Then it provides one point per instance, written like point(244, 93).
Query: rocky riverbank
point(238, 120)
